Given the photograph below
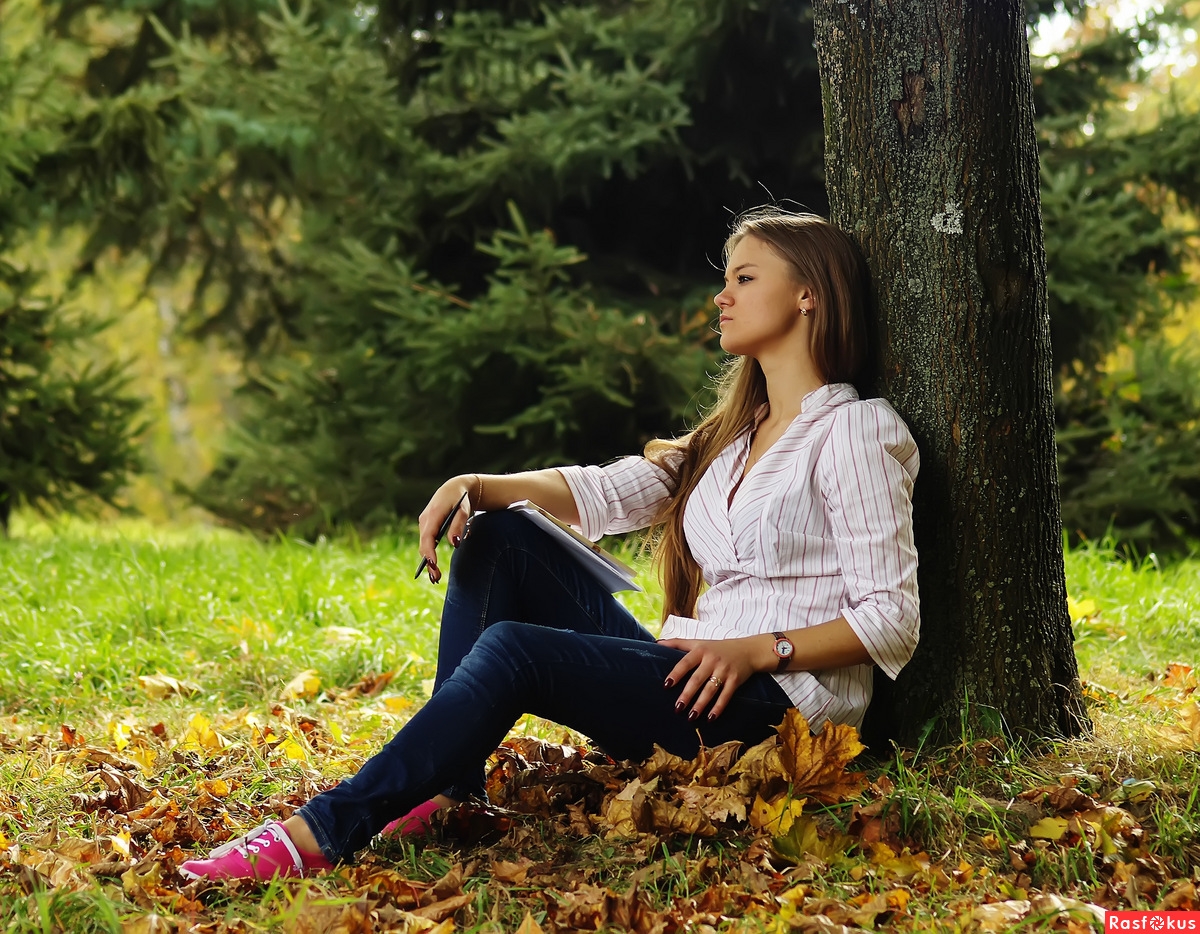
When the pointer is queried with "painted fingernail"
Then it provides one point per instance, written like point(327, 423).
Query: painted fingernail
point(669, 683)
point(678, 706)
point(455, 540)
point(693, 715)
point(711, 715)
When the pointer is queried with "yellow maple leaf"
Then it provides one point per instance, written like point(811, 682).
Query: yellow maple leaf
point(160, 685)
point(816, 765)
point(201, 737)
point(776, 816)
point(144, 756)
point(1049, 828)
point(292, 750)
point(119, 733)
point(395, 703)
point(120, 843)
point(1080, 610)
point(306, 684)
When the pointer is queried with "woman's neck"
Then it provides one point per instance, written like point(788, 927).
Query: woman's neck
point(787, 385)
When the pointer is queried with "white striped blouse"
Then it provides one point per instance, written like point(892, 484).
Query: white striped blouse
point(821, 527)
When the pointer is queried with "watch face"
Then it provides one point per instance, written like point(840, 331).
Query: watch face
point(784, 648)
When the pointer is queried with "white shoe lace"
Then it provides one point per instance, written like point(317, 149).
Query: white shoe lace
point(249, 845)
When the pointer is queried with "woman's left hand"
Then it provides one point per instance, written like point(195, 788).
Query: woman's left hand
point(718, 667)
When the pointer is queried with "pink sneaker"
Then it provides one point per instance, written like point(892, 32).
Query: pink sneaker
point(266, 852)
point(416, 821)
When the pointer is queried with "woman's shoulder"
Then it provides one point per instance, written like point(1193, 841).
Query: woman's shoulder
point(858, 424)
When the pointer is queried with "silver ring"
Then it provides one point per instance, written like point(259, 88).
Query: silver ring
point(715, 680)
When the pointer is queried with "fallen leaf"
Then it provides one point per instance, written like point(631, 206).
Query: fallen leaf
point(528, 925)
point(804, 838)
point(510, 872)
point(442, 910)
point(201, 737)
point(1000, 916)
point(1080, 610)
point(1059, 906)
point(160, 685)
point(776, 817)
point(1049, 828)
point(303, 685)
point(718, 804)
point(1186, 733)
point(816, 765)
point(148, 924)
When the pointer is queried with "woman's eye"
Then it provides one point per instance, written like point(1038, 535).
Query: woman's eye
point(742, 280)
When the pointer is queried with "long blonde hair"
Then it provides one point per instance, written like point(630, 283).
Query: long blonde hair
point(824, 259)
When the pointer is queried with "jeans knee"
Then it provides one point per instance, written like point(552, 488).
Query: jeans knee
point(490, 533)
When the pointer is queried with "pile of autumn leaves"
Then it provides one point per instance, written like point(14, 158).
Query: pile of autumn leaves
point(128, 833)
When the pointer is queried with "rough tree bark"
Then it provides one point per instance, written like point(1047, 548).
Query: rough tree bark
point(932, 164)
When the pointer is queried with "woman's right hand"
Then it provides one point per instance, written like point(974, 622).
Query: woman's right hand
point(434, 514)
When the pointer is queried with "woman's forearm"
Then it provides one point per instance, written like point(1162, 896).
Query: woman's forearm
point(827, 645)
point(546, 488)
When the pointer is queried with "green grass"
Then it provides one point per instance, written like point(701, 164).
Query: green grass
point(86, 609)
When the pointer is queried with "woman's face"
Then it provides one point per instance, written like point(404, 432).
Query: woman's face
point(761, 302)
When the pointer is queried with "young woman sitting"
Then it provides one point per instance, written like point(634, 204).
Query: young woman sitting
point(785, 550)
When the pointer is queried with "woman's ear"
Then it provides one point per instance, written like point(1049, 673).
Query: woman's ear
point(805, 300)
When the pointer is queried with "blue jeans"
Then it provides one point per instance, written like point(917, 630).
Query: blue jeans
point(526, 630)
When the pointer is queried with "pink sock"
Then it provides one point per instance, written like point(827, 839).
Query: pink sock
point(415, 821)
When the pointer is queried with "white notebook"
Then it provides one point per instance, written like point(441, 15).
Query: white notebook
point(612, 572)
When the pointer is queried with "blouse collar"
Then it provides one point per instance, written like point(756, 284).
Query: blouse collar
point(824, 395)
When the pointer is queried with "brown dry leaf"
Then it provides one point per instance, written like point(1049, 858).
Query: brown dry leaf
point(1179, 675)
point(442, 910)
point(816, 765)
point(592, 908)
point(718, 804)
point(161, 685)
point(662, 763)
point(1186, 733)
point(79, 850)
point(1183, 896)
point(151, 923)
point(528, 925)
point(1000, 916)
point(713, 765)
point(320, 917)
point(679, 818)
point(58, 871)
point(760, 770)
point(1059, 906)
point(512, 873)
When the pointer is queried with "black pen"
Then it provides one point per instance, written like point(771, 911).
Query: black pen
point(442, 531)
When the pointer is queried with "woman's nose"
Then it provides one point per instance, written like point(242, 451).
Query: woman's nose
point(721, 300)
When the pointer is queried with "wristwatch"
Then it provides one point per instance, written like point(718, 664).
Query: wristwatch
point(784, 650)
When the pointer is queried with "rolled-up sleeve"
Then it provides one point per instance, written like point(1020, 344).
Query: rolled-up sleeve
point(867, 467)
point(618, 497)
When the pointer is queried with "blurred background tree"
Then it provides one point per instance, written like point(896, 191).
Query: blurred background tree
point(481, 235)
point(67, 426)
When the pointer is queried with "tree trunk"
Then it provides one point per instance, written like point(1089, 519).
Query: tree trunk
point(932, 164)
